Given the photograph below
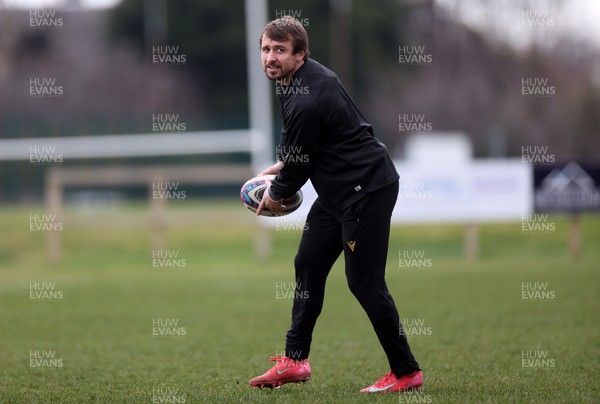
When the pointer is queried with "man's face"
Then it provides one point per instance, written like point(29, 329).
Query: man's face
point(278, 59)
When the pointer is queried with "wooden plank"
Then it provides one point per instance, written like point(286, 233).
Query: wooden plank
point(121, 175)
point(59, 177)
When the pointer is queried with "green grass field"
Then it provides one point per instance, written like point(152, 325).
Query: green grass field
point(475, 325)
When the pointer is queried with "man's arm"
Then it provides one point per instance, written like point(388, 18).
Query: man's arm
point(303, 131)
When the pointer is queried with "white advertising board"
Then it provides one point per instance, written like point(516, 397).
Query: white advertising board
point(476, 191)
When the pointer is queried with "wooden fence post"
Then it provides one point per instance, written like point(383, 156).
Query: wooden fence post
point(53, 193)
point(471, 241)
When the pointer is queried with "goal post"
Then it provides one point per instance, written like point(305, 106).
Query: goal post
point(257, 141)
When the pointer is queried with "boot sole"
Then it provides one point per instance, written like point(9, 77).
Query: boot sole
point(277, 384)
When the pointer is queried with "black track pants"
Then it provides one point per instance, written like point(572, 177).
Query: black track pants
point(362, 232)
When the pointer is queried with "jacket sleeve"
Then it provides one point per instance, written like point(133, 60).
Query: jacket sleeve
point(298, 148)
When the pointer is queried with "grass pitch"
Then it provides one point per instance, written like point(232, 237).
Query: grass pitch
point(218, 314)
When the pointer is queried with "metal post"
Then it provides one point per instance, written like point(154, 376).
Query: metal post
point(260, 109)
point(260, 105)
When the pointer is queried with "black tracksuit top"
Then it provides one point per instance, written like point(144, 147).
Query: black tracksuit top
point(326, 139)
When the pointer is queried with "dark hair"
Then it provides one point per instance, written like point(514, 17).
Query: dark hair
point(284, 28)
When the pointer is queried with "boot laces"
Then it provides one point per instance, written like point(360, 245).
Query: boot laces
point(387, 378)
point(284, 360)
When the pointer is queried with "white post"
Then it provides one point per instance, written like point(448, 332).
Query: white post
point(260, 109)
point(259, 89)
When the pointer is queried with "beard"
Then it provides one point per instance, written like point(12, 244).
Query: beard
point(274, 72)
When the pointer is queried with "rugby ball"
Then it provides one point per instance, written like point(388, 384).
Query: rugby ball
point(252, 192)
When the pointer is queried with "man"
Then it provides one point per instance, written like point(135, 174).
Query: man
point(326, 139)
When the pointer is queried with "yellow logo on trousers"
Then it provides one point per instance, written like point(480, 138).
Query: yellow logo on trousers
point(351, 244)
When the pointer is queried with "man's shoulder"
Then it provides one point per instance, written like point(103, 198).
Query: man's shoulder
point(320, 84)
point(314, 70)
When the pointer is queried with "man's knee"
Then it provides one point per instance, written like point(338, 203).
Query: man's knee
point(358, 286)
point(301, 261)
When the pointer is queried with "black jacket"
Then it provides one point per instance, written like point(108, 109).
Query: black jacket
point(326, 139)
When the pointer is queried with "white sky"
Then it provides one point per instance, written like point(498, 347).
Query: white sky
point(575, 18)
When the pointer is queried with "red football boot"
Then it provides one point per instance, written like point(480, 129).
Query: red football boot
point(286, 370)
point(390, 382)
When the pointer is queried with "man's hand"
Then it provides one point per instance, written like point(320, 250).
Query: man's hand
point(267, 202)
point(274, 169)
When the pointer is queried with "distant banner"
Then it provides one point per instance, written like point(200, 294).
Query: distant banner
point(567, 188)
point(489, 190)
